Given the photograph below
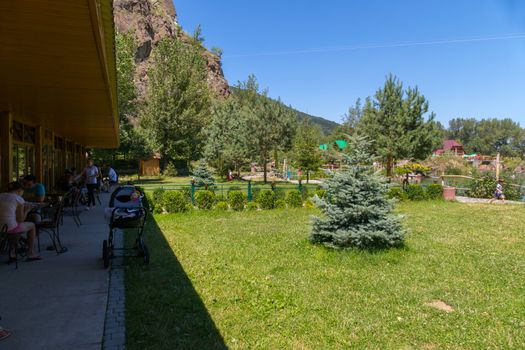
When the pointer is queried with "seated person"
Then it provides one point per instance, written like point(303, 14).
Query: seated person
point(13, 212)
point(112, 175)
point(33, 192)
point(66, 182)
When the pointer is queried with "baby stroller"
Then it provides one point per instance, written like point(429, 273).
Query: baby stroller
point(126, 212)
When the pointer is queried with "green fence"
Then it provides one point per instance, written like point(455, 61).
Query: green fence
point(251, 189)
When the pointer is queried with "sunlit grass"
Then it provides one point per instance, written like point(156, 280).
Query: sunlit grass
point(265, 286)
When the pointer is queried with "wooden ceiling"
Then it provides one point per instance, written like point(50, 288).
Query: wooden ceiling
point(57, 67)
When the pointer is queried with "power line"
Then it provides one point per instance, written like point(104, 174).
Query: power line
point(381, 46)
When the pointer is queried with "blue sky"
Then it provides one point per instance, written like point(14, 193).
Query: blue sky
point(296, 48)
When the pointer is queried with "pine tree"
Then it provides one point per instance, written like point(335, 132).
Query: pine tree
point(203, 176)
point(357, 212)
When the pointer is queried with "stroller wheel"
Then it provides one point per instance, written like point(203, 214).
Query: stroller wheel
point(105, 254)
point(145, 254)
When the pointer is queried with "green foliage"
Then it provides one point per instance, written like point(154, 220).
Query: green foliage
point(280, 204)
point(233, 188)
point(434, 191)
point(237, 200)
point(203, 176)
point(174, 202)
point(158, 195)
point(170, 170)
point(320, 192)
point(410, 168)
point(356, 210)
point(266, 199)
point(269, 124)
point(395, 123)
point(294, 199)
point(306, 152)
point(178, 102)
point(227, 136)
point(222, 206)
point(484, 186)
point(415, 193)
point(397, 193)
point(205, 199)
point(309, 204)
point(186, 191)
point(280, 193)
point(252, 206)
point(489, 136)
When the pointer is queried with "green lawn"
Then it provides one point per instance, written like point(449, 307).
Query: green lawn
point(253, 281)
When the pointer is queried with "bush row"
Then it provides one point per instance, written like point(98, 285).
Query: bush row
point(161, 201)
point(416, 193)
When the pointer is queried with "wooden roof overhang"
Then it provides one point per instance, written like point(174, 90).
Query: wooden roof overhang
point(57, 67)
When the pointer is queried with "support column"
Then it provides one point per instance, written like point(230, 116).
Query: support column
point(6, 149)
point(39, 147)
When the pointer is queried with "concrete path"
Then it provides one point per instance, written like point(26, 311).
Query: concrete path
point(60, 301)
point(484, 201)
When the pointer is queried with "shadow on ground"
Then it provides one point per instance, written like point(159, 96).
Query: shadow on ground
point(163, 309)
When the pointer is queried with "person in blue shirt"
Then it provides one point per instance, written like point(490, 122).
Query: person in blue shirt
point(33, 192)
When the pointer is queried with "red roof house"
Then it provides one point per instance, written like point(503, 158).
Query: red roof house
point(451, 146)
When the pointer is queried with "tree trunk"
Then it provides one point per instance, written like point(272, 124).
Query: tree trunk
point(389, 165)
point(264, 171)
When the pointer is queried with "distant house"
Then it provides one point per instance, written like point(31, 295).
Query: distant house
point(450, 146)
point(340, 144)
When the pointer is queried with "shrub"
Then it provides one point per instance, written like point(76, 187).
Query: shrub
point(309, 204)
point(280, 204)
point(237, 200)
point(435, 191)
point(485, 186)
point(205, 199)
point(251, 206)
point(223, 206)
point(320, 192)
point(220, 198)
point(170, 170)
point(397, 193)
point(415, 192)
point(294, 199)
point(266, 199)
point(158, 195)
point(186, 191)
point(279, 193)
point(174, 202)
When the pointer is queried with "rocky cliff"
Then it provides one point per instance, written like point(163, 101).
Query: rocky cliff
point(150, 21)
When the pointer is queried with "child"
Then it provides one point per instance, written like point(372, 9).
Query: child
point(498, 194)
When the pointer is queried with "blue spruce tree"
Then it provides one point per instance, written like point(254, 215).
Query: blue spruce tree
point(357, 211)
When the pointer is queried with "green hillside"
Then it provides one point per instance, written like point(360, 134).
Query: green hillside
point(326, 125)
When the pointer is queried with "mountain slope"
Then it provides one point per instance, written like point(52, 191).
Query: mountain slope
point(150, 21)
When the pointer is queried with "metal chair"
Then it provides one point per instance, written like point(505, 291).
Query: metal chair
point(51, 225)
point(8, 241)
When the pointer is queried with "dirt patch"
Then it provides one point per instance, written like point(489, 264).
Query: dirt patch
point(440, 305)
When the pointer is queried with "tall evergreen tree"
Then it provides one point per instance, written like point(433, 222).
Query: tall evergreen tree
point(396, 123)
point(178, 102)
point(270, 125)
point(306, 152)
point(356, 210)
point(226, 139)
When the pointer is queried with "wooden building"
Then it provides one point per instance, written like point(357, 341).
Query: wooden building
point(57, 86)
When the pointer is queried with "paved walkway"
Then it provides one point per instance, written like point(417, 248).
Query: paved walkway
point(483, 201)
point(60, 301)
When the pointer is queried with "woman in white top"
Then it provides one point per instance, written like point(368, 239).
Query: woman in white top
point(13, 212)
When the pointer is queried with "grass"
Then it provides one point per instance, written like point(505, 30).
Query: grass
point(252, 280)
